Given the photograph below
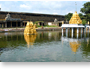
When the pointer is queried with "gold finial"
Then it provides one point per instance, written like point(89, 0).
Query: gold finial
point(76, 6)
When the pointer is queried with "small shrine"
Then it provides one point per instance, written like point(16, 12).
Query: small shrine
point(30, 28)
point(75, 24)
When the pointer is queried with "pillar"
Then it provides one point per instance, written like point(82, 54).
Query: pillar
point(24, 23)
point(85, 30)
point(69, 31)
point(11, 24)
point(2, 25)
point(66, 32)
point(6, 25)
point(88, 29)
point(81, 35)
point(77, 35)
point(77, 30)
point(72, 32)
point(21, 24)
point(16, 24)
point(62, 31)
point(81, 30)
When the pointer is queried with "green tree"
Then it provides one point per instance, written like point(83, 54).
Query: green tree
point(86, 10)
point(88, 17)
point(81, 16)
point(68, 16)
point(84, 21)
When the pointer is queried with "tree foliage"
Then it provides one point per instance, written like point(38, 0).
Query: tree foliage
point(81, 16)
point(84, 21)
point(68, 16)
point(86, 11)
point(86, 8)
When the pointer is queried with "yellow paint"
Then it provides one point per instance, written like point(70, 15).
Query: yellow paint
point(75, 19)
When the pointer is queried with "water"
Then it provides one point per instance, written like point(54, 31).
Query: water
point(44, 47)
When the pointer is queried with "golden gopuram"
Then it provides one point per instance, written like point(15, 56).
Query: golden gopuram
point(75, 19)
point(30, 28)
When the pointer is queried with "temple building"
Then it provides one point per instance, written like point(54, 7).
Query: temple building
point(20, 19)
point(75, 25)
point(10, 22)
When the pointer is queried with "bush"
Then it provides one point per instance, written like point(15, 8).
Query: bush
point(36, 22)
point(84, 22)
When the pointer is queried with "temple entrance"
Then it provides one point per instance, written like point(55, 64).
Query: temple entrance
point(19, 24)
point(60, 24)
point(8, 24)
point(41, 24)
point(13, 24)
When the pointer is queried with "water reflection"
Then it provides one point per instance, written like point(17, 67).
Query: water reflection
point(30, 39)
point(76, 40)
point(47, 46)
point(74, 46)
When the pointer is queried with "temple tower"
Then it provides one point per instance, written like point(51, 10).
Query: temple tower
point(75, 19)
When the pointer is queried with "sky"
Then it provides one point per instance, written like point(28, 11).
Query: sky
point(43, 7)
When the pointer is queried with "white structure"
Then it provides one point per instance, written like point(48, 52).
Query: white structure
point(49, 23)
point(73, 26)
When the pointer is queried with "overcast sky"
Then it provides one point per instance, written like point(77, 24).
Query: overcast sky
point(44, 7)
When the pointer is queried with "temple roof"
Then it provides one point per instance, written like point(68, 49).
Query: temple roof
point(75, 19)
